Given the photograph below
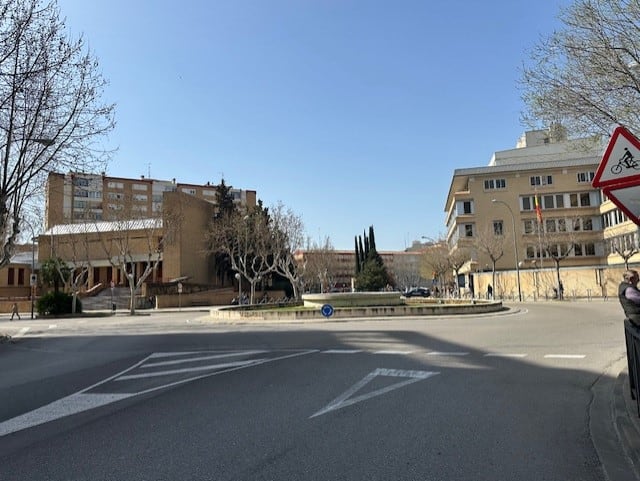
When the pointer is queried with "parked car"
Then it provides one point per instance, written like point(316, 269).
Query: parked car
point(417, 292)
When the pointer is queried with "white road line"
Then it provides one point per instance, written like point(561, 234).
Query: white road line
point(52, 326)
point(201, 358)
point(504, 354)
point(190, 369)
point(439, 353)
point(63, 407)
point(394, 352)
point(565, 356)
point(342, 351)
point(345, 398)
point(83, 401)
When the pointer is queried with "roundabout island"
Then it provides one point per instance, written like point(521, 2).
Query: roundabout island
point(347, 305)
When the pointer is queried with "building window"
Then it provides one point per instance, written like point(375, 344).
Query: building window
point(189, 191)
point(498, 228)
point(467, 207)
point(580, 199)
point(139, 187)
point(81, 182)
point(21, 277)
point(116, 185)
point(140, 197)
point(585, 177)
point(529, 226)
point(537, 180)
point(495, 184)
point(547, 201)
point(11, 279)
point(585, 199)
point(468, 230)
point(550, 225)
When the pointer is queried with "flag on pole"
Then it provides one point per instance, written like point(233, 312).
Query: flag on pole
point(538, 209)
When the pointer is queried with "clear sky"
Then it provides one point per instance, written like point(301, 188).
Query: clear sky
point(350, 112)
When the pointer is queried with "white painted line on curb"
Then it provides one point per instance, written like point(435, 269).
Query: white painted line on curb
point(342, 351)
point(394, 352)
point(52, 326)
point(439, 353)
point(500, 354)
point(565, 356)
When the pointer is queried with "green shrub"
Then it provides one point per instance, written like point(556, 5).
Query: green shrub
point(56, 303)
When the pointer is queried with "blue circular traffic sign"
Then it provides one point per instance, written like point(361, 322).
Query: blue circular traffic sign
point(327, 310)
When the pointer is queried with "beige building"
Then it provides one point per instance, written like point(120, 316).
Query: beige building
point(532, 200)
point(94, 221)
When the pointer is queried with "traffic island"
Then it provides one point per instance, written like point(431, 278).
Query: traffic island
point(355, 305)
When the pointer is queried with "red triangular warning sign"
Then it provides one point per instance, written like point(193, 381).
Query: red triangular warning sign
point(621, 160)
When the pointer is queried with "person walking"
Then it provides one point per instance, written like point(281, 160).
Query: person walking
point(14, 311)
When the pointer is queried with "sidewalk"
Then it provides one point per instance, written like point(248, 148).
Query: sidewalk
point(627, 419)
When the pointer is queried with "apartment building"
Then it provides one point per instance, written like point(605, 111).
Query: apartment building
point(535, 197)
point(83, 197)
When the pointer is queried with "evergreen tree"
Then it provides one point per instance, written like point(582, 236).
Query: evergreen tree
point(224, 199)
point(371, 273)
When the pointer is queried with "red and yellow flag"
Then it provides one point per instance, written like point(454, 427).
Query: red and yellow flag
point(538, 209)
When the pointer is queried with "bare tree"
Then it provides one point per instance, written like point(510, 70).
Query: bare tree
point(75, 248)
point(129, 242)
point(435, 262)
point(457, 259)
point(246, 241)
point(488, 242)
point(558, 240)
point(320, 265)
point(287, 234)
point(626, 247)
point(586, 75)
point(51, 113)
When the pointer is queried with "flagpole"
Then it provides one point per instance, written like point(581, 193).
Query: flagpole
point(539, 219)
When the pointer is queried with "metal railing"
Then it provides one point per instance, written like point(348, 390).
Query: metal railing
point(632, 339)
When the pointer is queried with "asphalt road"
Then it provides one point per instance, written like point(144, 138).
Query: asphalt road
point(172, 396)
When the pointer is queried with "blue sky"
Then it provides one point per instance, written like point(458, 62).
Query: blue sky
point(350, 112)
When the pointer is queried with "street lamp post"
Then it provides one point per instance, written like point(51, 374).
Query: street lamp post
point(239, 277)
point(515, 243)
point(32, 277)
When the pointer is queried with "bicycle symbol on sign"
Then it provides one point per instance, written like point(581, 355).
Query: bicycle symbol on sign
point(627, 161)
